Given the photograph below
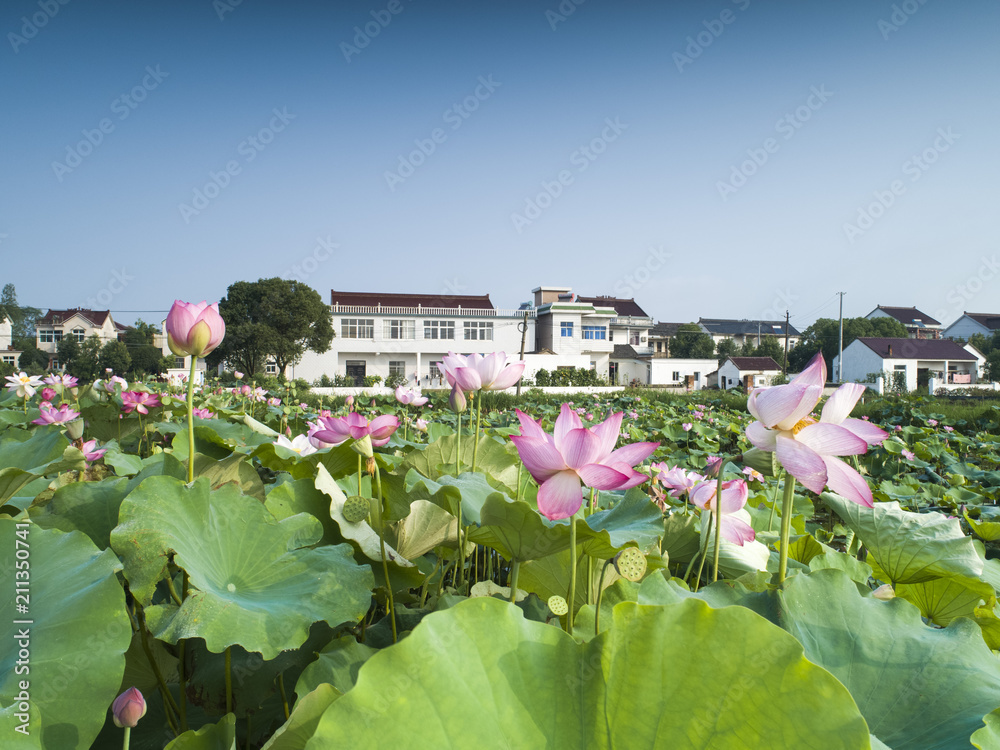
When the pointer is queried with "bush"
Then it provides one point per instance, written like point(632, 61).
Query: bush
point(372, 380)
point(395, 380)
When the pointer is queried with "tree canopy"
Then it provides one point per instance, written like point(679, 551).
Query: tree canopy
point(279, 318)
point(824, 335)
point(690, 342)
point(22, 318)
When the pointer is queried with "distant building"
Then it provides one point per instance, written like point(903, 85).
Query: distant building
point(8, 354)
point(748, 372)
point(913, 361)
point(919, 325)
point(79, 323)
point(984, 323)
point(660, 336)
point(753, 331)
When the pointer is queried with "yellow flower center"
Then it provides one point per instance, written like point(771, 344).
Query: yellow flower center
point(802, 424)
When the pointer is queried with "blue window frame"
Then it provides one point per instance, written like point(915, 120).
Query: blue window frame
point(566, 330)
point(595, 332)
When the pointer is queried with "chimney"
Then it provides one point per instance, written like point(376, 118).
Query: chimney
point(890, 350)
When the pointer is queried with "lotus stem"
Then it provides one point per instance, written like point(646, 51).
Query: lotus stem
point(458, 457)
point(704, 554)
point(718, 520)
point(229, 679)
point(515, 569)
point(284, 697)
point(517, 492)
point(572, 573)
point(600, 591)
point(168, 700)
point(479, 418)
point(787, 500)
point(128, 731)
point(190, 405)
point(385, 562)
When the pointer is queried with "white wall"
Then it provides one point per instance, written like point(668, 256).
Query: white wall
point(730, 376)
point(663, 370)
point(963, 328)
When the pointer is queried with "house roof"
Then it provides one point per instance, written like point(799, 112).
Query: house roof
point(908, 316)
point(665, 329)
point(621, 306)
point(624, 351)
point(987, 320)
point(727, 327)
point(917, 348)
point(754, 363)
point(95, 317)
point(392, 299)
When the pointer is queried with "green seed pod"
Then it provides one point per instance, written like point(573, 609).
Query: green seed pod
point(356, 509)
point(558, 605)
point(630, 564)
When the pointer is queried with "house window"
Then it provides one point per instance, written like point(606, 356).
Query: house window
point(178, 363)
point(478, 331)
point(439, 329)
point(45, 336)
point(593, 365)
point(594, 332)
point(900, 368)
point(397, 367)
point(697, 377)
point(566, 330)
point(54, 364)
point(400, 329)
point(271, 368)
point(633, 338)
point(357, 328)
point(79, 334)
point(677, 376)
point(9, 359)
point(434, 371)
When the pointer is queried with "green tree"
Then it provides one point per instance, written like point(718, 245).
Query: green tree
point(114, 356)
point(67, 350)
point(727, 348)
point(690, 342)
point(32, 360)
point(824, 335)
point(22, 318)
point(141, 334)
point(86, 365)
point(277, 318)
point(146, 360)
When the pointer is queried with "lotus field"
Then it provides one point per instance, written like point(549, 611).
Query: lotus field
point(221, 567)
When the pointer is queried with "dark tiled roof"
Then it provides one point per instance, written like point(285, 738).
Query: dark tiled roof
point(96, 317)
point(391, 299)
point(917, 348)
point(724, 327)
point(989, 320)
point(624, 351)
point(754, 363)
point(665, 329)
point(621, 306)
point(908, 316)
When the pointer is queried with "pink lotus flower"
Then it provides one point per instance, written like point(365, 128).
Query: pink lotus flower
point(128, 708)
point(194, 329)
point(677, 479)
point(573, 455)
point(300, 444)
point(932, 422)
point(48, 394)
point(139, 401)
point(66, 381)
point(420, 425)
point(48, 415)
point(203, 413)
point(948, 428)
point(753, 474)
point(908, 455)
point(808, 449)
point(274, 402)
point(734, 521)
point(475, 372)
point(24, 384)
point(109, 386)
point(686, 426)
point(408, 396)
point(336, 430)
point(91, 452)
point(238, 375)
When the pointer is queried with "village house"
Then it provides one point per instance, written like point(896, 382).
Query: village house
point(753, 331)
point(748, 373)
point(983, 323)
point(8, 354)
point(919, 325)
point(881, 362)
point(79, 323)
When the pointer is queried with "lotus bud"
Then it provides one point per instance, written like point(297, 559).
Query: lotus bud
point(766, 462)
point(74, 429)
point(349, 401)
point(238, 375)
point(457, 401)
point(194, 329)
point(128, 708)
point(364, 447)
point(884, 592)
point(48, 394)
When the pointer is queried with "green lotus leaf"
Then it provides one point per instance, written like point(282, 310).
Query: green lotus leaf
point(295, 733)
point(944, 599)
point(988, 531)
point(221, 736)
point(988, 737)
point(909, 547)
point(855, 569)
point(634, 518)
point(517, 531)
point(480, 675)
point(471, 490)
point(426, 526)
point(76, 638)
point(253, 582)
point(90, 507)
point(497, 458)
point(337, 664)
point(919, 687)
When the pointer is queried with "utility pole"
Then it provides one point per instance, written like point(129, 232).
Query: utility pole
point(784, 364)
point(524, 335)
point(840, 359)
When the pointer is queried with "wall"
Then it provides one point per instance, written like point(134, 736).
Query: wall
point(663, 369)
point(963, 328)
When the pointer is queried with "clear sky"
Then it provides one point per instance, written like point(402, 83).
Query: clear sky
point(716, 159)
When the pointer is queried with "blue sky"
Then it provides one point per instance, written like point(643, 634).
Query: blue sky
point(715, 159)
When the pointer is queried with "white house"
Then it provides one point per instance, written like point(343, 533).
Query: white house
point(919, 325)
point(913, 361)
point(409, 334)
point(753, 331)
point(985, 323)
point(747, 372)
point(8, 355)
point(691, 374)
point(79, 323)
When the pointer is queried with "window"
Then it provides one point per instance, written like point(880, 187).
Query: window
point(697, 377)
point(677, 376)
point(593, 365)
point(271, 368)
point(179, 363)
point(900, 368)
point(79, 334)
point(357, 328)
point(566, 329)
point(633, 338)
point(611, 335)
point(478, 331)
point(439, 329)
point(45, 336)
point(54, 364)
point(594, 332)
point(400, 329)
point(397, 367)
point(9, 359)
point(434, 371)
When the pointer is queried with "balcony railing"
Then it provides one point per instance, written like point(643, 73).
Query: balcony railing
point(437, 312)
point(629, 320)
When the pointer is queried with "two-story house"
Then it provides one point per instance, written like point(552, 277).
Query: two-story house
point(983, 323)
point(918, 325)
point(79, 323)
point(8, 354)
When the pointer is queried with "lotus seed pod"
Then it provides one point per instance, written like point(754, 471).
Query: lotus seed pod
point(558, 605)
point(356, 509)
point(631, 564)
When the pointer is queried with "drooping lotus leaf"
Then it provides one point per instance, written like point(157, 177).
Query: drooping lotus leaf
point(76, 639)
point(988, 737)
point(426, 526)
point(944, 599)
point(517, 531)
point(301, 725)
point(919, 687)
point(471, 490)
point(337, 664)
point(480, 675)
point(497, 457)
point(221, 736)
point(90, 507)
point(634, 518)
point(253, 580)
point(909, 547)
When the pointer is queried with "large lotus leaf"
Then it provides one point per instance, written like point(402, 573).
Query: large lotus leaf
point(988, 737)
point(77, 637)
point(301, 496)
point(855, 569)
point(31, 450)
point(919, 687)
point(427, 526)
point(471, 490)
point(253, 581)
point(337, 664)
point(497, 458)
point(634, 518)
point(656, 589)
point(90, 507)
point(517, 531)
point(221, 736)
point(944, 599)
point(339, 461)
point(480, 675)
point(909, 547)
point(295, 733)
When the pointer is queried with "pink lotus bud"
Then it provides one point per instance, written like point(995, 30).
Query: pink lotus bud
point(238, 375)
point(349, 401)
point(457, 400)
point(194, 329)
point(128, 708)
point(48, 394)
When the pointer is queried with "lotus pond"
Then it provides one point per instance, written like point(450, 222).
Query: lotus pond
point(411, 593)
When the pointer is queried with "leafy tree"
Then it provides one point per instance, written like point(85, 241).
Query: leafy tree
point(824, 335)
point(86, 365)
point(690, 342)
point(277, 318)
point(22, 318)
point(32, 360)
point(141, 334)
point(727, 348)
point(114, 356)
point(67, 350)
point(770, 347)
point(146, 360)
point(991, 371)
